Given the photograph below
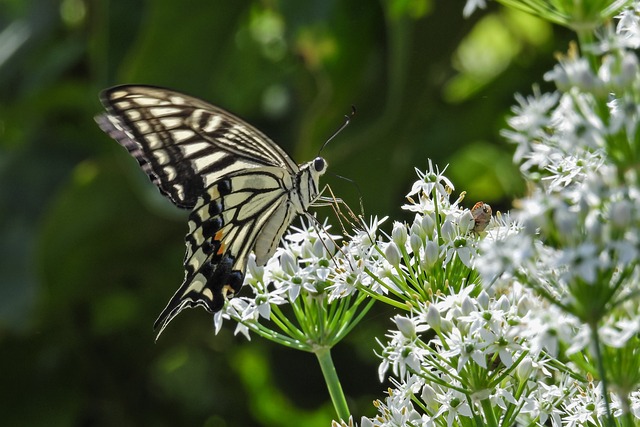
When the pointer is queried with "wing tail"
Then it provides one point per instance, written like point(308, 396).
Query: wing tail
point(207, 288)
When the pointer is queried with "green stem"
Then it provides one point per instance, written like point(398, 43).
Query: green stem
point(487, 409)
point(333, 383)
point(585, 39)
point(603, 374)
point(626, 420)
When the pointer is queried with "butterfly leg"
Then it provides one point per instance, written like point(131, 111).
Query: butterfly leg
point(338, 205)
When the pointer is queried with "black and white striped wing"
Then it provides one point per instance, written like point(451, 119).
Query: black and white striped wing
point(249, 210)
point(184, 144)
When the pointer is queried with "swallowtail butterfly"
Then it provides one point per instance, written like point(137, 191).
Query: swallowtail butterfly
point(242, 189)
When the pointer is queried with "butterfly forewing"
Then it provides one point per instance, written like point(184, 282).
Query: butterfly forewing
point(244, 191)
point(182, 143)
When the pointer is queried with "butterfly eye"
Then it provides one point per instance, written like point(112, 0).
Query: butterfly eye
point(319, 164)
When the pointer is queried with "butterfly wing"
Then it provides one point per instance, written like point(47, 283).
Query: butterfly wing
point(249, 210)
point(184, 144)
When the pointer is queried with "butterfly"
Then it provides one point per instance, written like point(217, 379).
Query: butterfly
point(243, 190)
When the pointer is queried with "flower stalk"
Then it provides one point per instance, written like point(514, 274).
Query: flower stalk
point(323, 354)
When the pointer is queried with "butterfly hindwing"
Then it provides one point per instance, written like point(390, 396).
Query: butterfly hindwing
point(246, 212)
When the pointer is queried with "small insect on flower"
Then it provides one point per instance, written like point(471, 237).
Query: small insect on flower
point(481, 213)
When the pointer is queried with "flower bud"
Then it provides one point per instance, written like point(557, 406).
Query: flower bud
point(467, 222)
point(431, 253)
point(504, 303)
point(318, 248)
point(448, 231)
point(467, 306)
point(621, 214)
point(405, 326)
point(365, 422)
point(399, 233)
point(416, 243)
point(288, 263)
point(392, 254)
point(483, 299)
point(446, 326)
point(429, 396)
point(566, 222)
point(629, 69)
point(428, 224)
point(433, 317)
point(416, 229)
point(594, 226)
point(525, 369)
point(255, 271)
point(524, 305)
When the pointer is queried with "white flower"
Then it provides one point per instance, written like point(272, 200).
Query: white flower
point(471, 5)
point(625, 113)
point(617, 335)
point(403, 353)
point(531, 115)
point(578, 124)
point(398, 410)
point(584, 408)
point(431, 181)
point(628, 27)
point(455, 405)
point(355, 260)
point(574, 71)
point(544, 404)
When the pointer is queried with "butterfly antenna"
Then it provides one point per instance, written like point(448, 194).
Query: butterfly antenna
point(333, 201)
point(347, 119)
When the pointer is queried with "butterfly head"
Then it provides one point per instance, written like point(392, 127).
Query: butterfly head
point(307, 182)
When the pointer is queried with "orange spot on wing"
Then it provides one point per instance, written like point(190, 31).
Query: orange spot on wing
point(218, 237)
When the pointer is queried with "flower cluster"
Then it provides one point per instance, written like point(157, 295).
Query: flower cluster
point(580, 146)
point(305, 297)
point(529, 318)
point(543, 329)
point(581, 16)
point(462, 352)
point(434, 251)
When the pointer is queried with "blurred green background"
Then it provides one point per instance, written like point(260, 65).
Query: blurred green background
point(90, 252)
